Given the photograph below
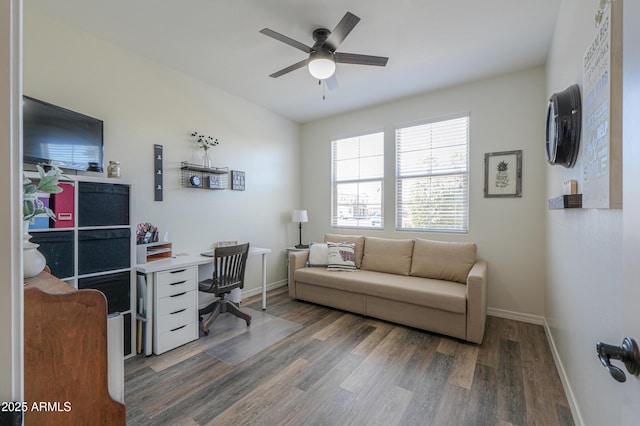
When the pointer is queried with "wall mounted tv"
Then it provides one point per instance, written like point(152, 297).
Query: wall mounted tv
point(53, 135)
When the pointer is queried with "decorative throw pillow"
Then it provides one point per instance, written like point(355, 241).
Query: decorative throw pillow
point(318, 255)
point(357, 240)
point(342, 257)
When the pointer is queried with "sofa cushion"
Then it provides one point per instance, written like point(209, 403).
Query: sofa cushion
point(342, 257)
point(318, 255)
point(387, 255)
point(443, 260)
point(350, 239)
point(437, 294)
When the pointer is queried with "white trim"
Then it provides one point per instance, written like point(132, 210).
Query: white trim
point(272, 286)
point(540, 320)
point(517, 316)
point(11, 286)
point(573, 403)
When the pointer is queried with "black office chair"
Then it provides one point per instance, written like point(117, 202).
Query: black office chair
point(229, 264)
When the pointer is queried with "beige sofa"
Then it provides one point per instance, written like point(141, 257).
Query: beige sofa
point(431, 285)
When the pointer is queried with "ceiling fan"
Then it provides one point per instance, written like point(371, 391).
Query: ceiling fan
point(322, 55)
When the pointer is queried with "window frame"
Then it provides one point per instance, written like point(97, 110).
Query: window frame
point(399, 178)
point(335, 216)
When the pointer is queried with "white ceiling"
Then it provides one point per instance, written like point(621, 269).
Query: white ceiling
point(430, 43)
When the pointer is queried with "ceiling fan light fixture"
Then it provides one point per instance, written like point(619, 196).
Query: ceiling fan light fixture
point(321, 65)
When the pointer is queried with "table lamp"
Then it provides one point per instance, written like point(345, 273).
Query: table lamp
point(300, 216)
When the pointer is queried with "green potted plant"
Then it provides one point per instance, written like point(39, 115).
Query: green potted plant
point(47, 183)
point(33, 261)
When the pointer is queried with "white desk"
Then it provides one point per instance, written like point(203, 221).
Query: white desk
point(177, 262)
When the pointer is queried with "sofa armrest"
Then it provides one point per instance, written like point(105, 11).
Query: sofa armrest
point(297, 260)
point(477, 301)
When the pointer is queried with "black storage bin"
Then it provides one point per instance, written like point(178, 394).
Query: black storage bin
point(103, 204)
point(127, 333)
point(103, 250)
point(116, 287)
point(57, 248)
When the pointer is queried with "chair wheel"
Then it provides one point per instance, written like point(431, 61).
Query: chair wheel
point(248, 323)
point(206, 333)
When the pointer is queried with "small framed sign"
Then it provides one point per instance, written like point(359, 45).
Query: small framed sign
point(503, 174)
point(226, 243)
point(237, 180)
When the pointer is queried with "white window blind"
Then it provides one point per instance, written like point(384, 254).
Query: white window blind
point(358, 172)
point(432, 170)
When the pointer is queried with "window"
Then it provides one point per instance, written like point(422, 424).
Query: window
point(358, 172)
point(432, 173)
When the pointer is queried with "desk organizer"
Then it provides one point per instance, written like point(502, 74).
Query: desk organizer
point(153, 251)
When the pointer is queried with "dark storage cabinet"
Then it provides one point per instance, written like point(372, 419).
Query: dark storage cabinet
point(127, 333)
point(103, 250)
point(57, 248)
point(116, 287)
point(103, 204)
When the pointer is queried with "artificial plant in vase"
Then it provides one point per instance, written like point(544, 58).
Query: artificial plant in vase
point(205, 143)
point(34, 262)
point(47, 183)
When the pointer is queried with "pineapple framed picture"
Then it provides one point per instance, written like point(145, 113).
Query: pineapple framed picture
point(503, 174)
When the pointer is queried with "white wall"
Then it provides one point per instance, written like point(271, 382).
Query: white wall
point(143, 103)
point(507, 113)
point(584, 249)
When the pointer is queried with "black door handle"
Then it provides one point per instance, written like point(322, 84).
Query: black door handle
point(627, 352)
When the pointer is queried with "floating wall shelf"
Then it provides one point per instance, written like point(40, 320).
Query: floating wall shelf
point(196, 176)
point(573, 201)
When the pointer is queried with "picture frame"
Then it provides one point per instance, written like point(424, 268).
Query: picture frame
point(226, 243)
point(503, 174)
point(237, 180)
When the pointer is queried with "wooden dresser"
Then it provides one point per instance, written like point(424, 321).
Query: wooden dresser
point(65, 356)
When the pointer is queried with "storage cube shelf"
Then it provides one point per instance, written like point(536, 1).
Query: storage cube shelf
point(95, 248)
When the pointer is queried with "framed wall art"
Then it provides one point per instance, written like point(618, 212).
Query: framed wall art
point(237, 180)
point(503, 174)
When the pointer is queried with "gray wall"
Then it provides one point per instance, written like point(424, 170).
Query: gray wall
point(506, 113)
point(144, 103)
point(584, 251)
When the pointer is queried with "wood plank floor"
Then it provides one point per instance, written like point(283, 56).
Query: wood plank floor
point(343, 369)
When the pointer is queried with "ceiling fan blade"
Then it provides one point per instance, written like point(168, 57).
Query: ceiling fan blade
point(341, 31)
point(354, 58)
point(287, 40)
point(289, 68)
point(332, 82)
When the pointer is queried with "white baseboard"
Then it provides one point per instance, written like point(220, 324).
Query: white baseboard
point(258, 290)
point(517, 316)
point(539, 320)
point(575, 411)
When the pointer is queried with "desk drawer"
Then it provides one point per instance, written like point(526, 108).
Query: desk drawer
point(176, 287)
point(177, 275)
point(169, 304)
point(172, 339)
point(177, 319)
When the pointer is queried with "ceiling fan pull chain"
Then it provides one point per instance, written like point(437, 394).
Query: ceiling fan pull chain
point(323, 89)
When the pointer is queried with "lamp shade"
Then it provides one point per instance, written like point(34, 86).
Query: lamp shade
point(321, 65)
point(299, 216)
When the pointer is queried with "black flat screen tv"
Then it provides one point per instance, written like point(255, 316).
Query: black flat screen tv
point(53, 135)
